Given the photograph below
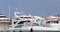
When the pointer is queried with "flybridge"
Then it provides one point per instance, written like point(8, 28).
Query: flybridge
point(3, 16)
point(19, 13)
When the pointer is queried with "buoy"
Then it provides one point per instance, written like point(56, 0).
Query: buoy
point(31, 30)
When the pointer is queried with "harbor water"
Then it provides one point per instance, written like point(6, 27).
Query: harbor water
point(33, 31)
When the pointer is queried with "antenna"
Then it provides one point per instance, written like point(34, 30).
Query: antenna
point(9, 12)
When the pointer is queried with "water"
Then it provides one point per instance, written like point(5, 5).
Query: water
point(34, 31)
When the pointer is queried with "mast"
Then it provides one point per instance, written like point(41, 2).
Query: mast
point(9, 13)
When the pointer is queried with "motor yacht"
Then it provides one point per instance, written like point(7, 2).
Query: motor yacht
point(24, 22)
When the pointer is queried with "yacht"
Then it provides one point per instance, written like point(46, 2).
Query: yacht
point(4, 22)
point(25, 22)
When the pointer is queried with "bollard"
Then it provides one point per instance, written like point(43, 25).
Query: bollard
point(31, 30)
point(20, 31)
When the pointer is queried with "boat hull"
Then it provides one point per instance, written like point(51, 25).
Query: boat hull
point(35, 29)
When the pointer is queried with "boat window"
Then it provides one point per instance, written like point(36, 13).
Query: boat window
point(4, 19)
point(53, 22)
point(17, 19)
point(48, 22)
point(21, 22)
point(28, 21)
point(15, 22)
point(2, 16)
point(57, 21)
point(25, 17)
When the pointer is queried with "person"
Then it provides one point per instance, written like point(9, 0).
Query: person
point(44, 23)
point(14, 31)
point(31, 30)
point(20, 31)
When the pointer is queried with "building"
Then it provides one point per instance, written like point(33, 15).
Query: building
point(52, 19)
point(4, 22)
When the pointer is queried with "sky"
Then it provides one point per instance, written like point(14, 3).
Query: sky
point(41, 8)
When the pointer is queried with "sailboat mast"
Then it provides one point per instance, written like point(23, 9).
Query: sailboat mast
point(9, 12)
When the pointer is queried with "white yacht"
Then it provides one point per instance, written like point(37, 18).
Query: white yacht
point(4, 22)
point(24, 22)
